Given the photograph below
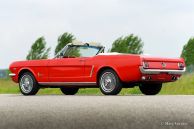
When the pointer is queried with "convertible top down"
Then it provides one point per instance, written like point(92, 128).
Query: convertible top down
point(86, 65)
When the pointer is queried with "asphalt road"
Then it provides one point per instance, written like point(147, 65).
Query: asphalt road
point(96, 112)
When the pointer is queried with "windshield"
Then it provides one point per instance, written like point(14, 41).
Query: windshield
point(79, 51)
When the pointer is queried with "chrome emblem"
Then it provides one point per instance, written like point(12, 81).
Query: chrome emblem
point(163, 65)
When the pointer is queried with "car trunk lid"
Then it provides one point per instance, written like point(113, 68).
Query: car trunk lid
point(163, 63)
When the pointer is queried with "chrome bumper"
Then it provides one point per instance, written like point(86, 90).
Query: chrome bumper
point(12, 74)
point(158, 71)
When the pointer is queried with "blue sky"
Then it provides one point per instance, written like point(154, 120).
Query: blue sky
point(163, 25)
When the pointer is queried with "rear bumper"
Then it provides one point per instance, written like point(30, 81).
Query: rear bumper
point(159, 71)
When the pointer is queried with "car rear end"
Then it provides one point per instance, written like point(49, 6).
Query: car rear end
point(161, 69)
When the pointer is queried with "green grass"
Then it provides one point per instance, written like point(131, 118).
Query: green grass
point(8, 87)
point(184, 86)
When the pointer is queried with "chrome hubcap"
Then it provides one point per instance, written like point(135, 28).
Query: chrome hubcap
point(26, 83)
point(108, 81)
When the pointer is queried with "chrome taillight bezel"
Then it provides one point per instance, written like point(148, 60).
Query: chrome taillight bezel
point(181, 65)
point(145, 65)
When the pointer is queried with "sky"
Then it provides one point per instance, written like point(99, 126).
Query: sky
point(164, 26)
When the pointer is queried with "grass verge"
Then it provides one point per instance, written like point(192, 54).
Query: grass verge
point(184, 86)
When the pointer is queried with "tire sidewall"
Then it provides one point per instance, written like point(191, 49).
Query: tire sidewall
point(118, 86)
point(150, 88)
point(35, 86)
point(69, 91)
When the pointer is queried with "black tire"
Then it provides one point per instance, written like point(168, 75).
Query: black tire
point(150, 88)
point(69, 90)
point(26, 88)
point(113, 84)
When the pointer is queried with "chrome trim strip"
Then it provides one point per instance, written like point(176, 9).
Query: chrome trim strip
point(158, 71)
point(91, 72)
point(68, 83)
point(12, 74)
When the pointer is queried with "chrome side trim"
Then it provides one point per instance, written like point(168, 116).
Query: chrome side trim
point(158, 71)
point(12, 74)
point(91, 72)
point(68, 83)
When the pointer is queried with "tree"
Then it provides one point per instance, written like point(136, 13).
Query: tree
point(188, 52)
point(129, 44)
point(38, 50)
point(63, 40)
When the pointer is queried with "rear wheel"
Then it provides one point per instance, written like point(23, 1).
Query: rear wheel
point(69, 90)
point(109, 82)
point(150, 88)
point(28, 84)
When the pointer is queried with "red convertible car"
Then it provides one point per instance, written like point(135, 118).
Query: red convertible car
point(87, 66)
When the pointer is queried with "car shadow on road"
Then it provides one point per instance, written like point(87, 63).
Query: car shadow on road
point(82, 95)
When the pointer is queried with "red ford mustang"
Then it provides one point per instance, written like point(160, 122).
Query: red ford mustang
point(87, 66)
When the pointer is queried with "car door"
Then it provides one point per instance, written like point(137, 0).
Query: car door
point(66, 69)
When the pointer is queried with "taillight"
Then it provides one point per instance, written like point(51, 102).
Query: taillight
point(145, 65)
point(181, 65)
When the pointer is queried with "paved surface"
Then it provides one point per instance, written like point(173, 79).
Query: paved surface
point(96, 112)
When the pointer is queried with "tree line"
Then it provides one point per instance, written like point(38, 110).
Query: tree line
point(125, 44)
point(128, 44)
point(39, 51)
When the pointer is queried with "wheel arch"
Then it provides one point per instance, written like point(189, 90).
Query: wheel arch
point(24, 70)
point(100, 70)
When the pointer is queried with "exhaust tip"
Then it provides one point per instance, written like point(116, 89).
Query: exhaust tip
point(143, 78)
point(149, 78)
point(146, 78)
point(174, 78)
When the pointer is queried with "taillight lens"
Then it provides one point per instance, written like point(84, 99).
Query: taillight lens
point(181, 65)
point(145, 64)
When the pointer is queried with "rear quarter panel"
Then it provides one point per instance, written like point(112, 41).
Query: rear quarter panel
point(126, 66)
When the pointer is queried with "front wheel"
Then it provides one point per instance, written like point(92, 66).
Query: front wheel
point(28, 84)
point(150, 89)
point(109, 82)
point(69, 90)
